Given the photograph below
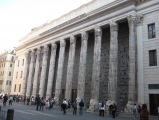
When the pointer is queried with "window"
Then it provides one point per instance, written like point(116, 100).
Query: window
point(23, 62)
point(152, 58)
point(18, 63)
point(10, 73)
point(1, 82)
point(4, 64)
point(17, 75)
point(21, 74)
point(10, 82)
point(7, 82)
point(10, 65)
point(151, 31)
point(12, 58)
point(14, 88)
point(19, 87)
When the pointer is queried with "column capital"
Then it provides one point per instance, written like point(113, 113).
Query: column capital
point(27, 54)
point(72, 39)
point(84, 35)
point(62, 43)
point(53, 46)
point(139, 19)
point(113, 26)
point(46, 48)
point(131, 19)
point(98, 31)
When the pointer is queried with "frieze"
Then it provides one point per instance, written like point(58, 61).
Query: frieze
point(64, 24)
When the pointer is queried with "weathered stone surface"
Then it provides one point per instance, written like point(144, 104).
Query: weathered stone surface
point(30, 76)
point(51, 71)
point(37, 70)
point(43, 71)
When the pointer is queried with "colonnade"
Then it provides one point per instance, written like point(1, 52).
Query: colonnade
point(113, 66)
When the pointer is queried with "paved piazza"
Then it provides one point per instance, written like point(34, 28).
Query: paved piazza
point(25, 112)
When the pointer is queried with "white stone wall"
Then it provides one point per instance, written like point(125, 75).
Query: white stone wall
point(151, 73)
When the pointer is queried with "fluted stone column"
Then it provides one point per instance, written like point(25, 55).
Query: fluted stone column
point(132, 63)
point(37, 69)
point(113, 62)
point(140, 73)
point(25, 73)
point(31, 70)
point(43, 71)
point(70, 67)
point(96, 69)
point(60, 70)
point(82, 67)
point(51, 71)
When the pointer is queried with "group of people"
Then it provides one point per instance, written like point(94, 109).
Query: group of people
point(66, 105)
point(140, 111)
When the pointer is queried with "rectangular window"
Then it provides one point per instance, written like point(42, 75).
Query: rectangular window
point(19, 87)
point(12, 58)
point(10, 73)
point(21, 74)
point(10, 65)
point(15, 88)
point(1, 82)
point(18, 63)
point(7, 82)
point(17, 75)
point(152, 58)
point(4, 64)
point(151, 31)
point(23, 62)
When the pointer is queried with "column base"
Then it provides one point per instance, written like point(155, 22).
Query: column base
point(93, 105)
point(129, 106)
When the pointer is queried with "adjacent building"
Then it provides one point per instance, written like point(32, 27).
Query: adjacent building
point(7, 60)
point(105, 50)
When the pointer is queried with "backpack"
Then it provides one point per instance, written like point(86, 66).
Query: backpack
point(134, 109)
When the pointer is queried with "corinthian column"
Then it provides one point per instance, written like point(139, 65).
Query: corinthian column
point(25, 73)
point(60, 70)
point(36, 76)
point(140, 78)
point(132, 61)
point(51, 70)
point(70, 67)
point(113, 62)
point(31, 70)
point(96, 69)
point(43, 71)
point(82, 67)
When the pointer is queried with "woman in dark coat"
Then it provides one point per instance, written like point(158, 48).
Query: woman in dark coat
point(144, 112)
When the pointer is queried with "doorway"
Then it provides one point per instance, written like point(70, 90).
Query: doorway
point(154, 103)
point(74, 95)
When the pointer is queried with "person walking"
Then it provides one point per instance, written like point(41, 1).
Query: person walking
point(75, 108)
point(5, 98)
point(99, 107)
point(64, 106)
point(139, 110)
point(37, 102)
point(144, 112)
point(10, 100)
point(28, 100)
point(110, 110)
point(81, 105)
point(134, 111)
point(42, 104)
point(24, 100)
point(114, 108)
point(158, 112)
point(102, 109)
point(32, 100)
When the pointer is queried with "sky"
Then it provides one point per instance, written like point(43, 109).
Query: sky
point(18, 17)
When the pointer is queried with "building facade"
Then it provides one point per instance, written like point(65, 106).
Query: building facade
point(7, 60)
point(105, 50)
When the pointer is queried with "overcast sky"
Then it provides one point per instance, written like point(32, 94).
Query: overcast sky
point(18, 17)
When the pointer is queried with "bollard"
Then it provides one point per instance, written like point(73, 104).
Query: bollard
point(10, 114)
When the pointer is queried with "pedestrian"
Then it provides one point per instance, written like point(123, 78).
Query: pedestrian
point(110, 110)
point(47, 105)
point(69, 104)
point(99, 107)
point(42, 104)
point(75, 107)
point(81, 105)
point(37, 102)
point(24, 100)
point(114, 109)
point(32, 100)
point(64, 106)
point(102, 109)
point(134, 111)
point(28, 100)
point(5, 98)
point(139, 110)
point(10, 100)
point(144, 112)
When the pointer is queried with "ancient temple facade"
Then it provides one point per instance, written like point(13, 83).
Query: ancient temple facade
point(97, 52)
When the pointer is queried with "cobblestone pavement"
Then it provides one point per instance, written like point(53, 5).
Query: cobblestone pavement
point(25, 112)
